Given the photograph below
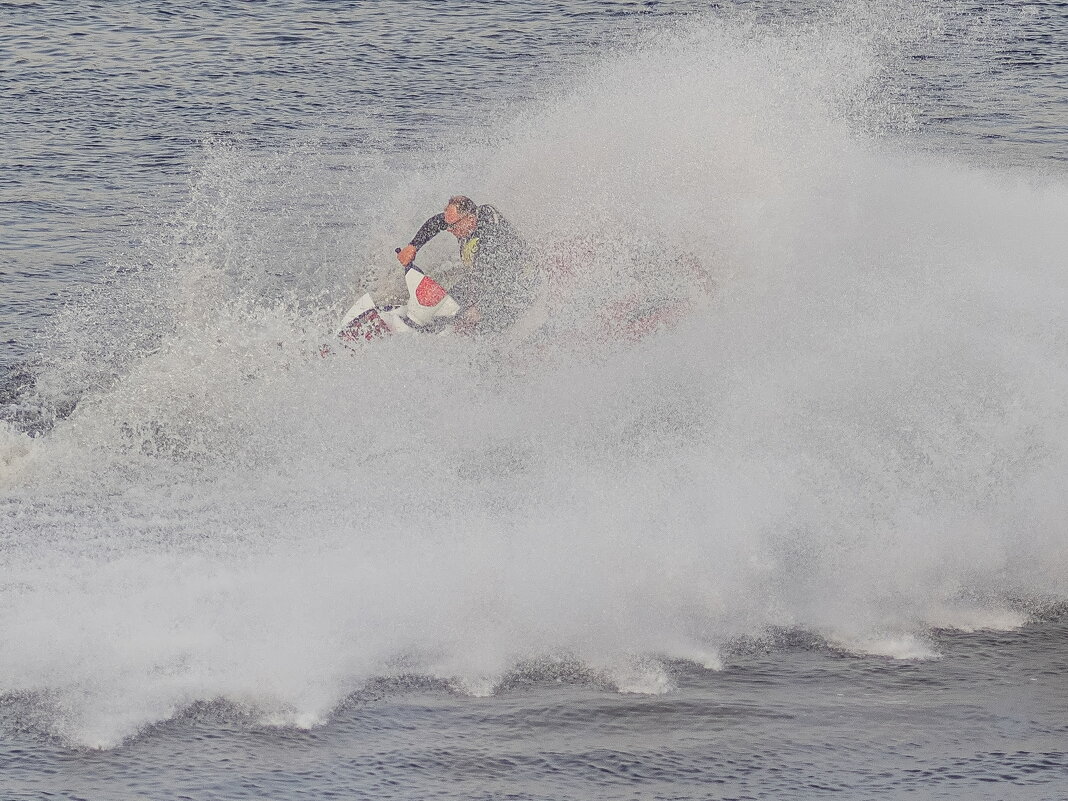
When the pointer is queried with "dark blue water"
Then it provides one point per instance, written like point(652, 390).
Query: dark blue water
point(785, 720)
point(810, 543)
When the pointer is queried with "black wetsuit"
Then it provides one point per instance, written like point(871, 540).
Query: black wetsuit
point(500, 282)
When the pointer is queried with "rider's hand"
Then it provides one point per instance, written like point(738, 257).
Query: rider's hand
point(406, 254)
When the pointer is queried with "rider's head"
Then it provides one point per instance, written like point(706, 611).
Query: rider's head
point(461, 215)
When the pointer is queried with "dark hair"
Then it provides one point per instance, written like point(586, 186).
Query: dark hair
point(464, 205)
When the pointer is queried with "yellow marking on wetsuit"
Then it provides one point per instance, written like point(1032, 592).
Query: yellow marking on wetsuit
point(468, 251)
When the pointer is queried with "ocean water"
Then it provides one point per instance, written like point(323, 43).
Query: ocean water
point(810, 541)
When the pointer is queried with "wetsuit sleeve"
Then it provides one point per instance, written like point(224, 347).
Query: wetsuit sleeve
point(431, 228)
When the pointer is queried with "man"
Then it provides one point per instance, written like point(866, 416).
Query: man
point(499, 283)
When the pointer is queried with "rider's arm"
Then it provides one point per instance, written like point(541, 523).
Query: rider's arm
point(431, 228)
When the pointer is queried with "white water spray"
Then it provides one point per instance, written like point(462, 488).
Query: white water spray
point(863, 435)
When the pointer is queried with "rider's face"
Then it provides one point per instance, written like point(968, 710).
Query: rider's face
point(460, 225)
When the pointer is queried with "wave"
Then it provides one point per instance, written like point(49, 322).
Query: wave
point(862, 436)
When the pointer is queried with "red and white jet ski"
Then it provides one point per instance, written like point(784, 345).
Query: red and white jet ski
point(429, 310)
point(628, 317)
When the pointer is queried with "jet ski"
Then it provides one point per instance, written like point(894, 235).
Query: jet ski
point(429, 310)
point(632, 316)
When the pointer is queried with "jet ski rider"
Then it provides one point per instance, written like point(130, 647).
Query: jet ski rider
point(498, 284)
